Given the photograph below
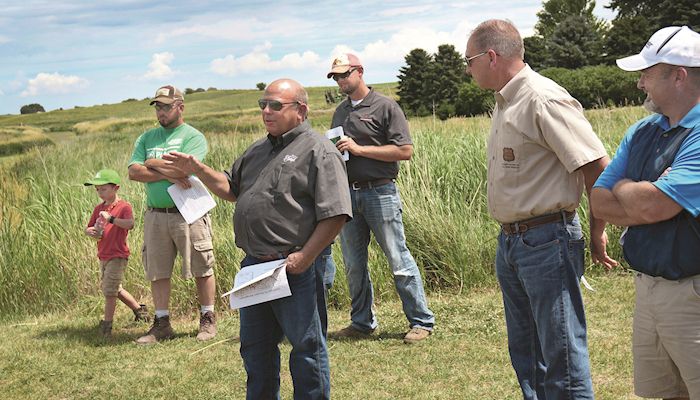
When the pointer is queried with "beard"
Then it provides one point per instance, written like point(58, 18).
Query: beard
point(650, 106)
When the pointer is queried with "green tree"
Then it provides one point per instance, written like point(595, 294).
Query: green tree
point(31, 109)
point(260, 85)
point(473, 100)
point(554, 12)
point(574, 43)
point(415, 80)
point(536, 55)
point(448, 70)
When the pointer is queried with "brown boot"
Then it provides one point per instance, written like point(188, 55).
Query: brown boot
point(161, 330)
point(106, 329)
point(415, 335)
point(207, 326)
point(141, 314)
point(350, 332)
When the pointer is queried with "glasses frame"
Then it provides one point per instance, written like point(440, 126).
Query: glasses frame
point(264, 103)
point(345, 75)
point(166, 107)
point(468, 60)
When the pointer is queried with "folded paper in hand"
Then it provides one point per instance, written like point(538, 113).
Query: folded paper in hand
point(336, 134)
point(194, 202)
point(259, 283)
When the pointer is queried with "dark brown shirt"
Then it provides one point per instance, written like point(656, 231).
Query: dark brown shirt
point(376, 121)
point(284, 186)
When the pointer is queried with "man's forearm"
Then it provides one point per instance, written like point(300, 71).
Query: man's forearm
point(605, 206)
point(323, 235)
point(140, 173)
point(644, 202)
point(215, 181)
point(165, 169)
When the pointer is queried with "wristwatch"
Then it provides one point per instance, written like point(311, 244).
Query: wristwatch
point(111, 219)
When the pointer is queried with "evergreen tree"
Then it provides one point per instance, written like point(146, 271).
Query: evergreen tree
point(414, 83)
point(574, 44)
point(449, 73)
point(536, 52)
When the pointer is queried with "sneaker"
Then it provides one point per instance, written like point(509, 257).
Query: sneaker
point(350, 332)
point(141, 314)
point(106, 329)
point(415, 335)
point(207, 326)
point(160, 330)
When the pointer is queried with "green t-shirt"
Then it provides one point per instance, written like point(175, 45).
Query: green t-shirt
point(158, 141)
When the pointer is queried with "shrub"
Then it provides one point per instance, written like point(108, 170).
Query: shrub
point(31, 109)
point(598, 86)
point(261, 85)
point(473, 100)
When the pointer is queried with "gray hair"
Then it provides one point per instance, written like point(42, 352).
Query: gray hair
point(499, 35)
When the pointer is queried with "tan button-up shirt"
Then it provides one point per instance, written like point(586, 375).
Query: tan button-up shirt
point(539, 139)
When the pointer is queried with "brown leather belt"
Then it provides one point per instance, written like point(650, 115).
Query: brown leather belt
point(370, 184)
point(524, 225)
point(169, 210)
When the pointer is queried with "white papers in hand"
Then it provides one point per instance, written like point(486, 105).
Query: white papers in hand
point(194, 202)
point(259, 283)
point(336, 134)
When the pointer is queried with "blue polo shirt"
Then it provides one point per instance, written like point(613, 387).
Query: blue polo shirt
point(682, 184)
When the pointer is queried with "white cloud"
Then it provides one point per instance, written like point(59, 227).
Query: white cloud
point(244, 29)
point(55, 83)
point(4, 39)
point(393, 12)
point(158, 68)
point(260, 60)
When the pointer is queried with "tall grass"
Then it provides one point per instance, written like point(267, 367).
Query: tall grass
point(46, 262)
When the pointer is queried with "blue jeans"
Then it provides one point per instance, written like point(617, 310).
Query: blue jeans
point(301, 318)
point(378, 209)
point(539, 272)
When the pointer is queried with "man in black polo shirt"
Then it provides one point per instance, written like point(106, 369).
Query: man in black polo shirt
point(292, 200)
point(377, 139)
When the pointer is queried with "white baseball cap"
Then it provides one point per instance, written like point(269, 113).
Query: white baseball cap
point(675, 45)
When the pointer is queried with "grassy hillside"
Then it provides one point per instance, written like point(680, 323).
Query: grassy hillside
point(47, 263)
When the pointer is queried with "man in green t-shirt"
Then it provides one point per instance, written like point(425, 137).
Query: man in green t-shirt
point(165, 231)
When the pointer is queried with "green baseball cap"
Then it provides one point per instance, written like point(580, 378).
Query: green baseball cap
point(104, 177)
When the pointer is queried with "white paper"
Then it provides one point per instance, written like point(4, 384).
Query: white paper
point(336, 134)
point(194, 202)
point(259, 283)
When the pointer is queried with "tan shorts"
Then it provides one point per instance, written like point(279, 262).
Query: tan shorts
point(666, 337)
point(111, 274)
point(166, 235)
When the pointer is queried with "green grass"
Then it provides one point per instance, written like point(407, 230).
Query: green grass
point(59, 355)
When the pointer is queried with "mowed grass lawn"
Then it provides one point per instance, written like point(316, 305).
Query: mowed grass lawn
point(59, 356)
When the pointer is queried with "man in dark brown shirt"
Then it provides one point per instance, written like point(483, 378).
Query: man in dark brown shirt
point(377, 139)
point(292, 200)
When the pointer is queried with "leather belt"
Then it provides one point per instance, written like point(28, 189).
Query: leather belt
point(370, 184)
point(524, 225)
point(169, 210)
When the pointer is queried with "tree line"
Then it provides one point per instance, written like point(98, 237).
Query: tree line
point(570, 45)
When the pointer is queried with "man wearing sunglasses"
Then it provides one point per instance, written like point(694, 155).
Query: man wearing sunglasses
point(652, 186)
point(290, 189)
point(542, 153)
point(165, 231)
point(377, 138)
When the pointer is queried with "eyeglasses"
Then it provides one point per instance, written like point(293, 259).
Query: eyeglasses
point(165, 107)
point(274, 105)
point(468, 60)
point(344, 75)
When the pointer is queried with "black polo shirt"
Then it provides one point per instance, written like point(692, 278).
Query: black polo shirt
point(376, 121)
point(284, 186)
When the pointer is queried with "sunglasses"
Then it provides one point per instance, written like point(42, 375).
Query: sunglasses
point(344, 75)
point(165, 107)
point(274, 105)
point(468, 60)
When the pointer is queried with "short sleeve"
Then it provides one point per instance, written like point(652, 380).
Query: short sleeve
point(682, 183)
point(196, 146)
point(332, 191)
point(397, 126)
point(615, 171)
point(138, 156)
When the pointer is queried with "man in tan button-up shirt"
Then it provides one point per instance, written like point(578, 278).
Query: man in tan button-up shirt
point(542, 152)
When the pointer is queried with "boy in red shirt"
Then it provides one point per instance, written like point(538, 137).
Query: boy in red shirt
point(109, 224)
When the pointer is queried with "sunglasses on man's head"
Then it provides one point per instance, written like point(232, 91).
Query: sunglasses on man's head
point(344, 75)
point(274, 105)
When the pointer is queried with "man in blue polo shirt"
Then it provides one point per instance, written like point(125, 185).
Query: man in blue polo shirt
point(652, 186)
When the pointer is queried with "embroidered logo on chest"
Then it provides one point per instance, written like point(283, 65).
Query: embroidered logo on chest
point(289, 158)
point(508, 154)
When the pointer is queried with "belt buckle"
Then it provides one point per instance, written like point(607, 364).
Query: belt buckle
point(355, 185)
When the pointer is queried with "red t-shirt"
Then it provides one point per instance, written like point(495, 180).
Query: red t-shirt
point(113, 242)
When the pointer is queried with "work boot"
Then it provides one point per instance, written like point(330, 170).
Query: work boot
point(207, 326)
point(141, 314)
point(106, 329)
point(161, 330)
point(350, 332)
point(415, 335)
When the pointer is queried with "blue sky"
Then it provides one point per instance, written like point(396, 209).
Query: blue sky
point(79, 53)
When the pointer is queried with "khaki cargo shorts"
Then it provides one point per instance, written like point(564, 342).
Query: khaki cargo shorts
point(166, 235)
point(666, 337)
point(111, 274)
